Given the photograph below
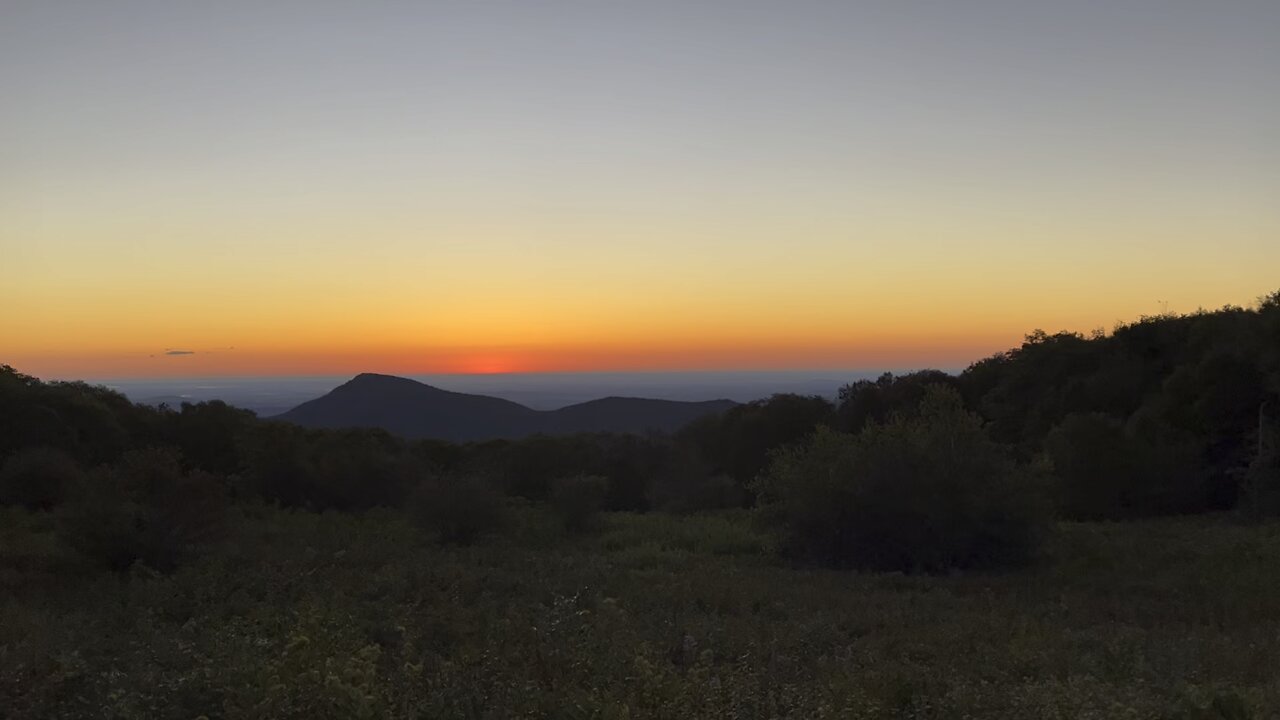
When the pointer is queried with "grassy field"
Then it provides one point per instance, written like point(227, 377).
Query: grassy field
point(357, 616)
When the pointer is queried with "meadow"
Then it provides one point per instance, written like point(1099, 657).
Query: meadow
point(360, 615)
point(1075, 528)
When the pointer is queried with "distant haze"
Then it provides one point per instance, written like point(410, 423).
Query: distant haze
point(541, 391)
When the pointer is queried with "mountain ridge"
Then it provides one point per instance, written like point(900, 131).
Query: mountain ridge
point(417, 410)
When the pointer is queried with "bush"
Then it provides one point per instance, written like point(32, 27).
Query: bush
point(352, 469)
point(1261, 491)
point(145, 509)
point(738, 442)
point(361, 469)
point(38, 478)
point(1092, 466)
point(578, 500)
point(868, 401)
point(278, 465)
point(457, 509)
point(925, 491)
point(1170, 476)
point(1106, 469)
point(692, 490)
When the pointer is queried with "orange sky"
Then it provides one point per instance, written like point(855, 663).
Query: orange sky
point(893, 333)
point(491, 187)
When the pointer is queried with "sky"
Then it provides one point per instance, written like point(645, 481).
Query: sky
point(250, 188)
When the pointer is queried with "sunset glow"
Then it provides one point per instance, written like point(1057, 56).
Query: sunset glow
point(497, 189)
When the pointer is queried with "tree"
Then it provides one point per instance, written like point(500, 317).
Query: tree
point(738, 442)
point(1261, 492)
point(39, 478)
point(867, 401)
point(144, 508)
point(1092, 466)
point(457, 509)
point(578, 500)
point(926, 490)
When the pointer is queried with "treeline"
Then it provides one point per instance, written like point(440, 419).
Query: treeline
point(54, 432)
point(1167, 415)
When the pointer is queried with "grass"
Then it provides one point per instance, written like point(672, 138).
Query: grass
point(654, 616)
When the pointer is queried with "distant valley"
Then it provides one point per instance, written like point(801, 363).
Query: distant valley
point(416, 410)
point(272, 395)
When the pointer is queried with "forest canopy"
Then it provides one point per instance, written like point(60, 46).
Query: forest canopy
point(1169, 414)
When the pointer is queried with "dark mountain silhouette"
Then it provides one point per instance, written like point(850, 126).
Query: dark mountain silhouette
point(416, 410)
point(627, 414)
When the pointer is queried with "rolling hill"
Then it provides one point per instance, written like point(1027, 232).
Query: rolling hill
point(416, 410)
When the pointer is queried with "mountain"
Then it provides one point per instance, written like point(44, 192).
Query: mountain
point(416, 410)
point(626, 414)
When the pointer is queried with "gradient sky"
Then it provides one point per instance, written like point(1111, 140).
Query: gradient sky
point(319, 187)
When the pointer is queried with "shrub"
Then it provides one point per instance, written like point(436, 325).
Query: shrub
point(360, 469)
point(687, 483)
point(738, 442)
point(354, 469)
point(279, 465)
point(924, 491)
point(38, 478)
point(1106, 469)
point(866, 401)
point(209, 434)
point(1170, 476)
point(686, 490)
point(578, 500)
point(457, 509)
point(1092, 466)
point(1261, 491)
point(145, 509)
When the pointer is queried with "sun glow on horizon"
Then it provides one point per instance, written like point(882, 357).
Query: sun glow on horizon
point(501, 188)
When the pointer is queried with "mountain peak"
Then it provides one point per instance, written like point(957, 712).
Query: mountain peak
point(365, 377)
point(368, 380)
point(413, 409)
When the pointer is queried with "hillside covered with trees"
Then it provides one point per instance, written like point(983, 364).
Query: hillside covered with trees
point(200, 527)
point(1171, 414)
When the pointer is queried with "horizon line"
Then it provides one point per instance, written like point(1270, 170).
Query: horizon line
point(544, 373)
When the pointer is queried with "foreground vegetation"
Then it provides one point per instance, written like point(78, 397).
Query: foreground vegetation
point(1173, 414)
point(1078, 527)
point(338, 615)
